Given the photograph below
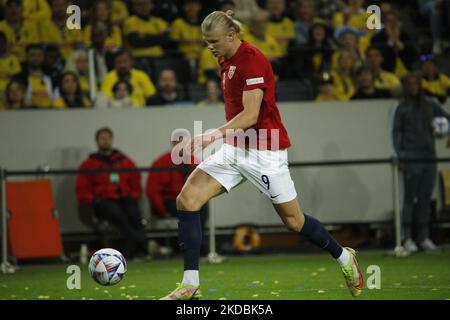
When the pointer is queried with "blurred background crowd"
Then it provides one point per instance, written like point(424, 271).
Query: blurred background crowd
point(148, 53)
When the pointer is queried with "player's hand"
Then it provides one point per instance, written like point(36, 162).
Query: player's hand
point(202, 141)
point(199, 143)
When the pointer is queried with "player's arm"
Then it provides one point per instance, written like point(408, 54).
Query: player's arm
point(251, 99)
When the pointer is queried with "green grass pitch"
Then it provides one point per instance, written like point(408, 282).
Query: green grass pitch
point(268, 277)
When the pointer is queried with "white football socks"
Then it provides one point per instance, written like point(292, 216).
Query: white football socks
point(191, 277)
point(344, 258)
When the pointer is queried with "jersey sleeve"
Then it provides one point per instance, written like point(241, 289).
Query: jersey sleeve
point(254, 73)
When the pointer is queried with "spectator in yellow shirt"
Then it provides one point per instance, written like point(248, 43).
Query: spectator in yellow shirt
point(343, 76)
point(397, 46)
point(14, 96)
point(353, 15)
point(312, 59)
point(119, 11)
point(122, 91)
point(146, 35)
point(143, 87)
point(55, 31)
point(101, 13)
point(326, 89)
point(348, 39)
point(70, 94)
point(9, 65)
point(208, 67)
point(19, 32)
point(38, 85)
point(186, 31)
point(280, 27)
point(434, 83)
point(383, 79)
point(36, 10)
point(259, 37)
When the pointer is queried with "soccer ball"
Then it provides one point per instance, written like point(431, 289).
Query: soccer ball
point(107, 267)
point(440, 126)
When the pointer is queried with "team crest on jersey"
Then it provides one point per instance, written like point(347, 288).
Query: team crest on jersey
point(231, 72)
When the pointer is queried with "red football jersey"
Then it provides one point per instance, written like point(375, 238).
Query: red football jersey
point(249, 69)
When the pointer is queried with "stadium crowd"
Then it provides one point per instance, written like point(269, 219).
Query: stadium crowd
point(147, 53)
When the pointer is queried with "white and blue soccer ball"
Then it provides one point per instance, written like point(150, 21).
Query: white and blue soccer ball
point(440, 126)
point(107, 267)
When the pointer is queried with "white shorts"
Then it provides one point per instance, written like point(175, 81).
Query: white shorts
point(267, 170)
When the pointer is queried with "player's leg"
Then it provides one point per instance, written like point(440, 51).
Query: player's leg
point(212, 177)
point(198, 189)
point(269, 172)
point(309, 227)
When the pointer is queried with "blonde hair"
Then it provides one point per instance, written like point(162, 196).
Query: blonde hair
point(221, 20)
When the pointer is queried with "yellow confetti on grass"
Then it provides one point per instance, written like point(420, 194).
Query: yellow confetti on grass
point(132, 286)
point(435, 289)
point(43, 297)
point(122, 288)
point(322, 269)
point(321, 291)
point(26, 288)
point(276, 282)
point(314, 274)
point(223, 298)
point(255, 295)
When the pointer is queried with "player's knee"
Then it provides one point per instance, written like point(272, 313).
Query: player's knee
point(293, 225)
point(187, 203)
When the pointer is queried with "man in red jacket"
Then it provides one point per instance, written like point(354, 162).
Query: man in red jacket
point(164, 186)
point(114, 196)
